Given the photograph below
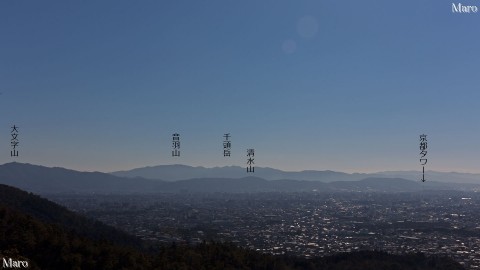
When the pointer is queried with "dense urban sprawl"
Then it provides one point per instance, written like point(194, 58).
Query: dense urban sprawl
point(306, 224)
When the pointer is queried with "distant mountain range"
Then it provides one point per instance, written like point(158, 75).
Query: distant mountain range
point(40, 179)
point(183, 172)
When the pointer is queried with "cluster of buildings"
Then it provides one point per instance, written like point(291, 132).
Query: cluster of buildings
point(305, 224)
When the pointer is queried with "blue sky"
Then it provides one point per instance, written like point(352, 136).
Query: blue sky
point(338, 85)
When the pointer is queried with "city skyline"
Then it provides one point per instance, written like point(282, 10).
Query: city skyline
point(309, 85)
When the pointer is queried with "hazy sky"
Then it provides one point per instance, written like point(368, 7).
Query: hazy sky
point(339, 85)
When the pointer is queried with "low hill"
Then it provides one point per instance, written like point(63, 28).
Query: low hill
point(52, 213)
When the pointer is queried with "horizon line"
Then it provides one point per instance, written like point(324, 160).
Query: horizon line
point(298, 171)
